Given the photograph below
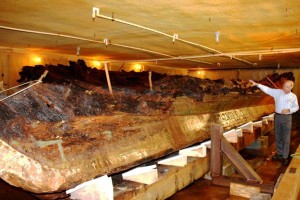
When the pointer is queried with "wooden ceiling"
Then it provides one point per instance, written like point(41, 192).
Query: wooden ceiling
point(253, 33)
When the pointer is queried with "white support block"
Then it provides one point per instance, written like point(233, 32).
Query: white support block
point(257, 124)
point(231, 136)
point(97, 189)
point(270, 117)
point(247, 127)
point(146, 175)
point(197, 151)
point(207, 144)
point(239, 132)
point(179, 161)
point(265, 120)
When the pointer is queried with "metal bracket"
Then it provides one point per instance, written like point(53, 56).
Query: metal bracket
point(96, 12)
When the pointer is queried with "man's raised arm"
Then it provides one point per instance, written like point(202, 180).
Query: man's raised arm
point(270, 91)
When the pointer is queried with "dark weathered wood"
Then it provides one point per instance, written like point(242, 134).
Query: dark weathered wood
point(59, 135)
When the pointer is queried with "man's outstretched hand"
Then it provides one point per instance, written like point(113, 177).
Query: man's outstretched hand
point(253, 83)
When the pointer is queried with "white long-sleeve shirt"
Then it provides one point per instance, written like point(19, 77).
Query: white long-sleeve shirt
point(282, 100)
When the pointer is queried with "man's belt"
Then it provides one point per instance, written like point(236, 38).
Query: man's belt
point(281, 114)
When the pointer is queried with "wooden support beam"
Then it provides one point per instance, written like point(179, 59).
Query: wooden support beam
point(43, 75)
point(238, 161)
point(2, 86)
point(226, 181)
point(146, 175)
point(170, 180)
point(108, 79)
point(150, 80)
point(241, 190)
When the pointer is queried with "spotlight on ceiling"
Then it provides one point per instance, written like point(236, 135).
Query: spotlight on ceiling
point(96, 64)
point(137, 67)
point(37, 59)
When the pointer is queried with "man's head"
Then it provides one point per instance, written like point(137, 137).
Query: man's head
point(288, 86)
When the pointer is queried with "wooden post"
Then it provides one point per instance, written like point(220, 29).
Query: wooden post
point(150, 80)
point(216, 157)
point(2, 86)
point(108, 79)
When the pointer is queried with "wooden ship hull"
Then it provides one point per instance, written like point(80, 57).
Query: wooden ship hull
point(56, 136)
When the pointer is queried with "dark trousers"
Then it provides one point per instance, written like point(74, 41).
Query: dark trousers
point(283, 125)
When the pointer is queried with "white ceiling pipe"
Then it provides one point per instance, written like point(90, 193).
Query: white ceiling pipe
point(48, 33)
point(94, 41)
point(96, 13)
point(154, 52)
point(246, 53)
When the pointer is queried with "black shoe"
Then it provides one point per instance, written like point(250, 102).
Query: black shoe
point(277, 157)
point(286, 161)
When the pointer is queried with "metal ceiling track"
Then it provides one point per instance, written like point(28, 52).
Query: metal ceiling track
point(96, 13)
point(258, 53)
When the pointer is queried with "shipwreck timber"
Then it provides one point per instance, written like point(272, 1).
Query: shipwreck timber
point(57, 136)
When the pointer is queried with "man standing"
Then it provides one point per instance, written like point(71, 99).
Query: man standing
point(286, 103)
